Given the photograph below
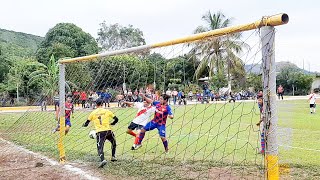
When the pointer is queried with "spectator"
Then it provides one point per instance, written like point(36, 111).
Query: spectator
point(174, 96)
point(56, 100)
point(190, 95)
point(83, 98)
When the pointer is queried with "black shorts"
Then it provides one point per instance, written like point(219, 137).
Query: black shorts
point(312, 105)
point(134, 126)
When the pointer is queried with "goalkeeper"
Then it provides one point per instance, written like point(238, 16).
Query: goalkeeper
point(101, 119)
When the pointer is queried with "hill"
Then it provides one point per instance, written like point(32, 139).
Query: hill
point(256, 68)
point(18, 43)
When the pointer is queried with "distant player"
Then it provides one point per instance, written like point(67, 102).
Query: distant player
point(101, 119)
point(312, 101)
point(145, 110)
point(280, 91)
point(69, 109)
point(162, 112)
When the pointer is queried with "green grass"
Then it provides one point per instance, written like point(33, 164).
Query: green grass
point(202, 138)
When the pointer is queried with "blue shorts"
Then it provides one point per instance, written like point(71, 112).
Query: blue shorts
point(152, 125)
point(67, 122)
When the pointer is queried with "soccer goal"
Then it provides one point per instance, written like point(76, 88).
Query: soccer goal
point(221, 126)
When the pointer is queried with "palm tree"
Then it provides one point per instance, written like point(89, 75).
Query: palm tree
point(46, 76)
point(218, 53)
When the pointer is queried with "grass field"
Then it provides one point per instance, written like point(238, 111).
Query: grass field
point(204, 140)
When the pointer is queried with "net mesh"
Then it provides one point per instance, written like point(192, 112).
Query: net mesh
point(210, 136)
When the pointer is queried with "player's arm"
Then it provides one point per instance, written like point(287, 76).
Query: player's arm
point(146, 98)
point(128, 103)
point(170, 114)
point(86, 123)
point(88, 120)
point(115, 121)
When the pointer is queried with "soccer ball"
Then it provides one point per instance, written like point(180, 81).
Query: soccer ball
point(93, 134)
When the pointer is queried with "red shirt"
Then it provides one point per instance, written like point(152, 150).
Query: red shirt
point(83, 96)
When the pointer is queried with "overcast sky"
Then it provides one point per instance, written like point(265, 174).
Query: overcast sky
point(162, 20)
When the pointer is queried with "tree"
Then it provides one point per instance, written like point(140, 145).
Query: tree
point(294, 80)
point(47, 76)
point(18, 76)
point(218, 53)
point(114, 37)
point(66, 40)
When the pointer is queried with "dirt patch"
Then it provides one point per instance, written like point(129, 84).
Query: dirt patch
point(16, 163)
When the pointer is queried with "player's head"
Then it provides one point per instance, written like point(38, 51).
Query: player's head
point(99, 102)
point(164, 99)
point(69, 99)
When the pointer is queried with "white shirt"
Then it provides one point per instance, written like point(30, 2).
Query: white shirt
point(312, 98)
point(143, 113)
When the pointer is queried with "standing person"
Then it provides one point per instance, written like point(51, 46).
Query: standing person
point(162, 112)
point(174, 96)
point(83, 98)
point(280, 91)
point(76, 97)
point(312, 101)
point(190, 95)
point(106, 96)
point(69, 109)
point(101, 120)
point(169, 93)
point(261, 123)
point(120, 98)
point(56, 100)
point(95, 97)
point(44, 102)
point(260, 101)
point(145, 110)
point(130, 99)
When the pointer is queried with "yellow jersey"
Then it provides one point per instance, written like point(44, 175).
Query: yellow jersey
point(101, 119)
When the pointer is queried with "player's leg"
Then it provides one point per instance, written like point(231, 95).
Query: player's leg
point(111, 137)
point(311, 107)
point(131, 127)
point(148, 127)
point(68, 125)
point(101, 138)
point(162, 133)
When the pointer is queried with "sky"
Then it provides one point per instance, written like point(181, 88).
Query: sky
point(162, 20)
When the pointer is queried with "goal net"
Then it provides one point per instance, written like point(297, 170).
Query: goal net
point(213, 80)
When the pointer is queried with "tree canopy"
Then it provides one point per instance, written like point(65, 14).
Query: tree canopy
point(115, 36)
point(66, 40)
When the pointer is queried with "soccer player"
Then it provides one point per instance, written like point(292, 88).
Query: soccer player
point(312, 101)
point(162, 112)
point(280, 91)
point(69, 109)
point(145, 110)
point(101, 119)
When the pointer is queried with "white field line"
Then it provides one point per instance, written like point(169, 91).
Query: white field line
point(67, 167)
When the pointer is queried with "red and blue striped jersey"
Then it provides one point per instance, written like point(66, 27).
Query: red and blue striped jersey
point(161, 114)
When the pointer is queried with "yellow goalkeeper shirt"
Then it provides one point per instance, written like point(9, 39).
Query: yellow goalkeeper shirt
point(101, 119)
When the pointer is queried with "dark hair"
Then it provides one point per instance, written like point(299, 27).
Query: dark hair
point(99, 102)
point(165, 97)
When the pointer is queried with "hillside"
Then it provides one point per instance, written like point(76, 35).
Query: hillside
point(256, 68)
point(18, 43)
